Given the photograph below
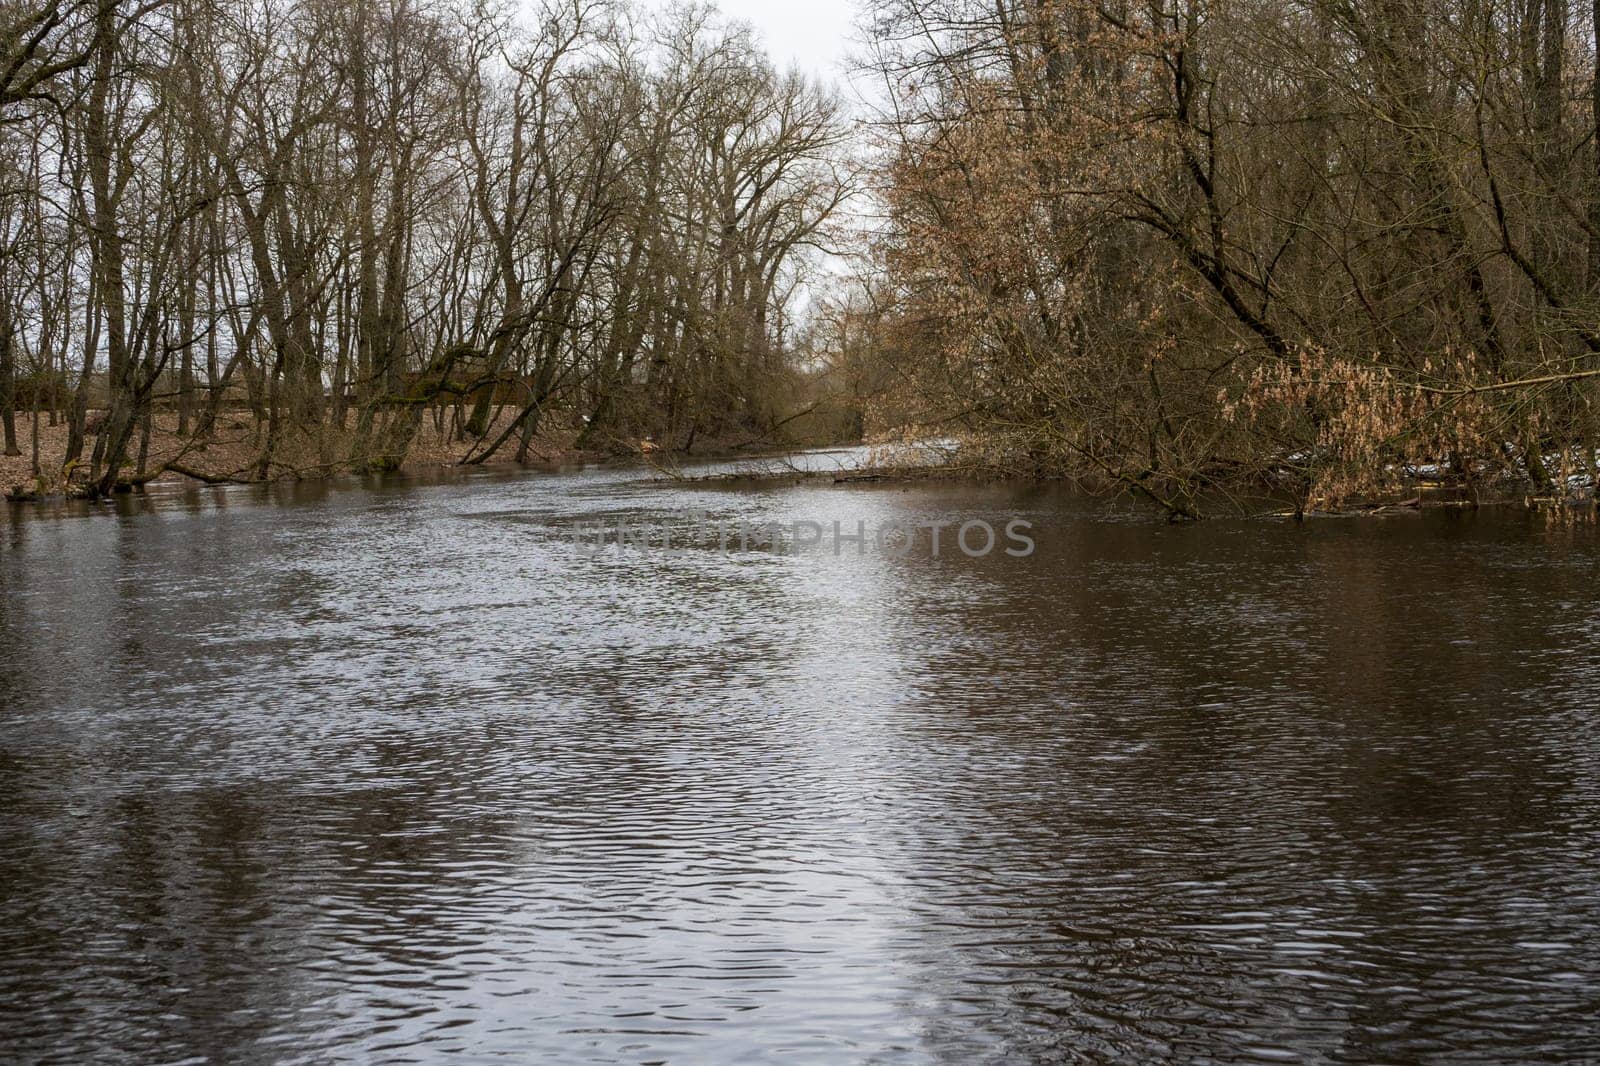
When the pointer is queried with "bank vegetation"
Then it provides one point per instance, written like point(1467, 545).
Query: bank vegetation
point(333, 222)
point(1196, 248)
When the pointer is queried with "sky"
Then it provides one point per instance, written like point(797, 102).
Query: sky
point(814, 35)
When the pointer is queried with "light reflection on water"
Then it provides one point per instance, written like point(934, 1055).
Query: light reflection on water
point(389, 771)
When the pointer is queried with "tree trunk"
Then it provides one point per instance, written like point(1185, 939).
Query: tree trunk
point(8, 381)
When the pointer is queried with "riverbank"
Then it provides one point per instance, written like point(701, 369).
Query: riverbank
point(232, 453)
point(1409, 490)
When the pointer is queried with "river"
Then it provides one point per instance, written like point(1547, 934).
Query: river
point(385, 770)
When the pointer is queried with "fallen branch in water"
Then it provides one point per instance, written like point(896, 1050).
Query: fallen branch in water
point(209, 479)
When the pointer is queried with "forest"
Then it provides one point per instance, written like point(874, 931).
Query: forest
point(1319, 244)
point(334, 225)
point(1188, 250)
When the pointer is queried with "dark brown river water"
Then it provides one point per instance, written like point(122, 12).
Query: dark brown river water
point(388, 772)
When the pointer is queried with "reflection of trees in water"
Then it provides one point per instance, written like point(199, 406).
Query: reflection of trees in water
point(1249, 774)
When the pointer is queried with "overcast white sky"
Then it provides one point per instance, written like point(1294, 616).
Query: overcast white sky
point(813, 34)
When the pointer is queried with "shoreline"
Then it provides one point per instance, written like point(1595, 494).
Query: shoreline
point(1411, 496)
point(227, 460)
point(232, 456)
